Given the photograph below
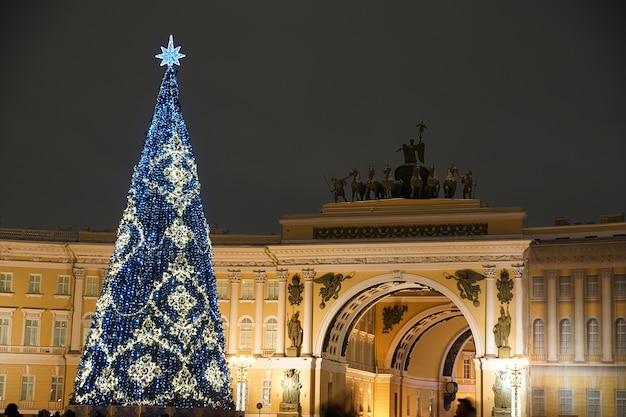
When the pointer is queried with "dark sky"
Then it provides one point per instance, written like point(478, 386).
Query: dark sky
point(278, 94)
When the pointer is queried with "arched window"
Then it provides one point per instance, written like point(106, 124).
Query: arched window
point(271, 333)
point(593, 337)
point(620, 336)
point(538, 337)
point(565, 333)
point(245, 334)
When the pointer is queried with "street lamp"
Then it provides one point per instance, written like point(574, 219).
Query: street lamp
point(242, 362)
point(516, 368)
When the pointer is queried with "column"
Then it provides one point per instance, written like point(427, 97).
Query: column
point(259, 279)
point(551, 325)
point(490, 308)
point(77, 315)
point(579, 315)
point(283, 274)
point(307, 327)
point(607, 321)
point(234, 275)
point(518, 271)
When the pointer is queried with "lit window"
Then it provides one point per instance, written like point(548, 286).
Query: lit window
point(60, 333)
point(467, 367)
point(56, 389)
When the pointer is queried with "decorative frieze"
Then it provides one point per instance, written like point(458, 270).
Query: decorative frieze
point(400, 231)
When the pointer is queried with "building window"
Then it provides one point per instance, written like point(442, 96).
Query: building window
point(245, 334)
point(539, 402)
point(539, 288)
point(87, 321)
point(592, 286)
point(63, 285)
point(28, 388)
point(225, 333)
point(92, 286)
point(31, 332)
point(565, 287)
point(593, 402)
point(247, 288)
point(271, 333)
point(4, 330)
point(60, 333)
point(3, 384)
point(6, 282)
point(272, 289)
point(619, 285)
point(620, 403)
point(593, 337)
point(222, 289)
point(266, 393)
point(538, 337)
point(566, 401)
point(565, 332)
point(56, 389)
point(620, 336)
point(34, 284)
point(467, 367)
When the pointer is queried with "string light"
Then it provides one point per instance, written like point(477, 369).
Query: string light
point(157, 335)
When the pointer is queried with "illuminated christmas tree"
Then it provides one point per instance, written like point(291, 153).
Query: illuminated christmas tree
point(156, 339)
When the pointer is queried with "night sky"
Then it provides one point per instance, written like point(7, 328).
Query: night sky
point(278, 95)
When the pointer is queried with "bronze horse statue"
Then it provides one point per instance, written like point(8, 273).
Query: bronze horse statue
point(468, 185)
point(358, 188)
point(432, 182)
point(391, 187)
point(373, 185)
point(417, 183)
point(449, 184)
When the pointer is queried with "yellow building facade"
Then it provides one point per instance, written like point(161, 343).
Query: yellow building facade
point(397, 300)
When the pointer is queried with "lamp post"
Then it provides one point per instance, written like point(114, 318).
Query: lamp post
point(516, 368)
point(242, 363)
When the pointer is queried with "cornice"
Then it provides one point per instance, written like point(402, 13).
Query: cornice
point(576, 254)
point(401, 253)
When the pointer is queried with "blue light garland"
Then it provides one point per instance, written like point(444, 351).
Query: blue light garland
point(157, 339)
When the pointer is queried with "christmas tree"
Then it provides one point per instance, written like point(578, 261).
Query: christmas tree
point(156, 339)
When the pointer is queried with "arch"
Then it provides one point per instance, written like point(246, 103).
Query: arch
point(410, 333)
point(335, 327)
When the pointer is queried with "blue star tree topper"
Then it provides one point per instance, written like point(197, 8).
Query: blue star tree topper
point(156, 338)
point(171, 55)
